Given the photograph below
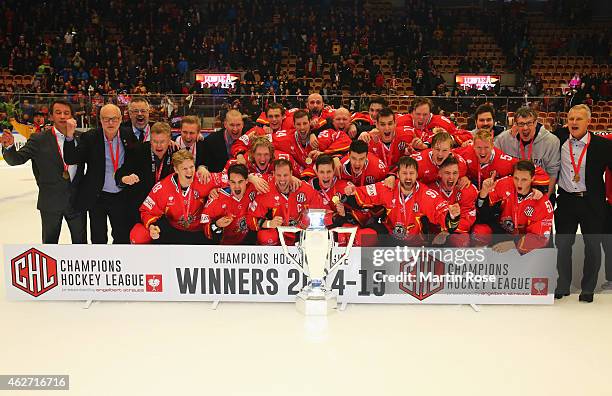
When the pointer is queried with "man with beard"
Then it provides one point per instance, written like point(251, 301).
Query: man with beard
point(138, 110)
point(447, 186)
point(281, 206)
point(524, 216)
point(319, 112)
point(190, 139)
point(144, 166)
point(224, 217)
point(484, 160)
point(296, 143)
point(532, 142)
point(485, 119)
point(407, 204)
point(424, 122)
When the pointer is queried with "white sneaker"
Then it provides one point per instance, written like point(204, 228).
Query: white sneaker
point(607, 285)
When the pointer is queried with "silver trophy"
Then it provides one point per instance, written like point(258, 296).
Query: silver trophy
point(315, 245)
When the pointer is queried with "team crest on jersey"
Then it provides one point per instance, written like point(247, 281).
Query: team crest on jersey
point(402, 146)
point(508, 225)
point(458, 195)
point(371, 190)
point(196, 194)
point(529, 211)
point(204, 219)
point(369, 179)
point(253, 206)
point(415, 208)
point(252, 195)
point(242, 225)
point(301, 198)
point(399, 231)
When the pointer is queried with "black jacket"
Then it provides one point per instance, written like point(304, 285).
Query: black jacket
point(215, 151)
point(90, 151)
point(598, 157)
point(140, 162)
point(55, 194)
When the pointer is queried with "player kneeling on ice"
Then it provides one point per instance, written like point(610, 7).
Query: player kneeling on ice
point(526, 215)
point(172, 211)
point(224, 217)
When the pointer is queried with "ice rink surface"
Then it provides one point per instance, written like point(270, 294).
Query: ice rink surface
point(117, 348)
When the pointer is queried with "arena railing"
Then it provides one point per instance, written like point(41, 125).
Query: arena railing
point(211, 108)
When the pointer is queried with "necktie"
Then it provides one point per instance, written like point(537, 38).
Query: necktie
point(141, 136)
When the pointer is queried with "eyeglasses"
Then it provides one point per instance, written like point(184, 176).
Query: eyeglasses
point(110, 119)
point(525, 124)
point(139, 111)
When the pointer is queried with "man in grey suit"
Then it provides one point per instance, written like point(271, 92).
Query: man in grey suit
point(56, 181)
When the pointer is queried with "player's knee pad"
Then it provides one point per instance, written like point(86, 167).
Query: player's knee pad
point(482, 234)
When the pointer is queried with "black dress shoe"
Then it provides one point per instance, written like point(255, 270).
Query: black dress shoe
point(586, 297)
point(559, 296)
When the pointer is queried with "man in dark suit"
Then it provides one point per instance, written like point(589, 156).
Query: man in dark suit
point(149, 163)
point(56, 181)
point(103, 150)
point(217, 145)
point(138, 110)
point(580, 199)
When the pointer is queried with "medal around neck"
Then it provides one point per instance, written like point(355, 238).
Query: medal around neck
point(315, 246)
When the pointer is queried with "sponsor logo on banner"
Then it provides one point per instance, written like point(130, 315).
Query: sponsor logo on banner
point(154, 283)
point(423, 270)
point(34, 272)
point(539, 286)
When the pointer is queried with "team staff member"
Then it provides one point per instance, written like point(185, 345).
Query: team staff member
point(57, 182)
point(532, 142)
point(103, 151)
point(144, 166)
point(581, 200)
point(172, 212)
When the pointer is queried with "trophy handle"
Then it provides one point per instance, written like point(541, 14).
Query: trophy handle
point(281, 237)
point(342, 230)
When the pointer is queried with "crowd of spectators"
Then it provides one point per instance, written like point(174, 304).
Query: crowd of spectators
point(93, 49)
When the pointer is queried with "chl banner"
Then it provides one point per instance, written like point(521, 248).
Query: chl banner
point(263, 274)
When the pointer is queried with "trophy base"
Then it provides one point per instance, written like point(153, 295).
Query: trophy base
point(313, 303)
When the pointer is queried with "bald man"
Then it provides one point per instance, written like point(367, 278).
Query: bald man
point(217, 145)
point(319, 113)
point(103, 151)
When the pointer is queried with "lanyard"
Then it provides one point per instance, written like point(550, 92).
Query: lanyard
point(114, 158)
point(59, 151)
point(582, 154)
point(522, 148)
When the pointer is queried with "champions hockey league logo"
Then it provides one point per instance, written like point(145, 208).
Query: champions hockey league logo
point(34, 272)
point(422, 287)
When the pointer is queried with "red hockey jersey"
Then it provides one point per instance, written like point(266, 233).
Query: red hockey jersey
point(292, 207)
point(466, 198)
point(375, 170)
point(228, 205)
point(530, 218)
point(390, 154)
point(405, 213)
point(181, 209)
point(434, 121)
point(501, 163)
point(428, 170)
